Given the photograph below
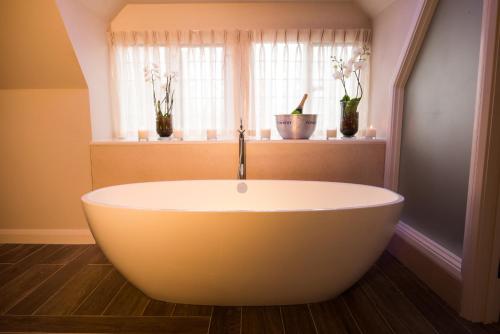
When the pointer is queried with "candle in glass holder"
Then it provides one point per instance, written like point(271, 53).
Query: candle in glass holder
point(331, 133)
point(143, 135)
point(265, 134)
point(371, 132)
point(211, 134)
point(178, 134)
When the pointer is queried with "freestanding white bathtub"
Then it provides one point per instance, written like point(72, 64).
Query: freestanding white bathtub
point(253, 242)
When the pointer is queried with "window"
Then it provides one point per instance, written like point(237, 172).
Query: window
point(279, 73)
point(202, 90)
point(222, 76)
point(283, 72)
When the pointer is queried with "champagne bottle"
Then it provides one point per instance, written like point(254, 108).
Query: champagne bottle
point(298, 110)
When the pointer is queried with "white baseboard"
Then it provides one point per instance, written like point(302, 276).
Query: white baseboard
point(46, 236)
point(435, 265)
point(440, 255)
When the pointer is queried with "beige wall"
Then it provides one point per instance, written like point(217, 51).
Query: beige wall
point(45, 168)
point(241, 16)
point(44, 121)
point(358, 162)
point(391, 30)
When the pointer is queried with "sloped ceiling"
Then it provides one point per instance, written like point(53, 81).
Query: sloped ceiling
point(373, 7)
point(109, 8)
point(38, 54)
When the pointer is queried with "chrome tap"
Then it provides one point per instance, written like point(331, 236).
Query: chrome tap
point(242, 170)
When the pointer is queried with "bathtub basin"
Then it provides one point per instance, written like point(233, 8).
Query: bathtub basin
point(256, 242)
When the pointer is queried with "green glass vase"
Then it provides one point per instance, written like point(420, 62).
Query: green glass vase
point(164, 125)
point(349, 118)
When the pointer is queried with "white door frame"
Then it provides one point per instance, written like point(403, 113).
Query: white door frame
point(480, 286)
point(481, 252)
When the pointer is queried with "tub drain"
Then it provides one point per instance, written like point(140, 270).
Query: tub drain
point(242, 187)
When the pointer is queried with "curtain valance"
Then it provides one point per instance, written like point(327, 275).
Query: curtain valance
point(210, 37)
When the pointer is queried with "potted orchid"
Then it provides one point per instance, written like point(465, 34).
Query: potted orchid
point(163, 103)
point(343, 70)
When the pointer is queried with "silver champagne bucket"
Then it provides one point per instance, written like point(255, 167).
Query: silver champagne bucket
point(296, 126)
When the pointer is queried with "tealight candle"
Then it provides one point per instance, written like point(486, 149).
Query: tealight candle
point(331, 133)
point(143, 135)
point(371, 132)
point(211, 134)
point(265, 134)
point(178, 134)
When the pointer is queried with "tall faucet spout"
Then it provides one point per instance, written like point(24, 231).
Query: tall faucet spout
point(242, 173)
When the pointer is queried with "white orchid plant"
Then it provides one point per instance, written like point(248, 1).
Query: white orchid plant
point(163, 83)
point(343, 69)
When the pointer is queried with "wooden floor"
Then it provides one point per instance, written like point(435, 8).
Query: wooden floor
point(73, 288)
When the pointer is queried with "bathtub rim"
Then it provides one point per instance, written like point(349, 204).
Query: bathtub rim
point(85, 199)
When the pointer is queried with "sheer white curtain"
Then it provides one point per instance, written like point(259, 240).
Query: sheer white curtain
point(285, 64)
point(203, 63)
point(224, 75)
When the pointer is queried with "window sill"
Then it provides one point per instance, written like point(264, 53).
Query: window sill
point(154, 141)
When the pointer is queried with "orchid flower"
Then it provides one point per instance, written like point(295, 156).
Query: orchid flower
point(152, 74)
point(337, 75)
point(359, 65)
point(342, 70)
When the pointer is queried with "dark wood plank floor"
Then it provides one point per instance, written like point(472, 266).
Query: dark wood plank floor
point(73, 288)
